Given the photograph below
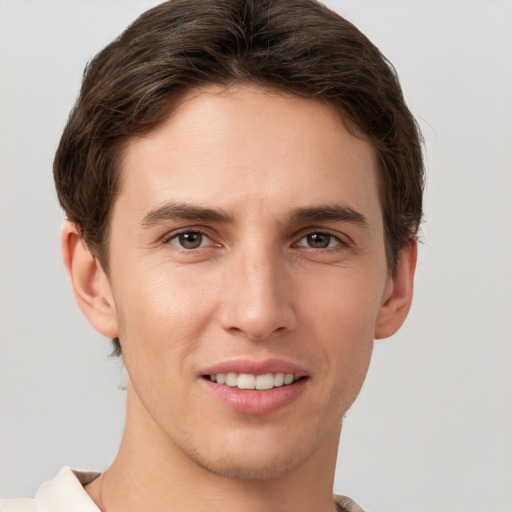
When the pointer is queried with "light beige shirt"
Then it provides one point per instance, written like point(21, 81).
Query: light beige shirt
point(66, 493)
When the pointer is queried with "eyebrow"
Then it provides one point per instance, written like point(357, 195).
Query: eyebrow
point(182, 211)
point(336, 212)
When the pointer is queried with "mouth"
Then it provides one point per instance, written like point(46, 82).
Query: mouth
point(256, 387)
point(248, 381)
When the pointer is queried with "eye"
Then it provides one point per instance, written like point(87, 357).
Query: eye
point(189, 240)
point(319, 241)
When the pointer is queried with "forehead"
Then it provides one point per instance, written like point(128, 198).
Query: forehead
point(233, 147)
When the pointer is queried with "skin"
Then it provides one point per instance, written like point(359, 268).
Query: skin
point(266, 281)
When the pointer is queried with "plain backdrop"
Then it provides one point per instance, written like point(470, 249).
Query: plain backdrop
point(432, 428)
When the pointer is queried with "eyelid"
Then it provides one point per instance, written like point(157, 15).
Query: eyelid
point(168, 237)
point(339, 242)
point(343, 239)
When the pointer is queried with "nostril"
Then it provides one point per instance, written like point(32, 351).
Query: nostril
point(265, 336)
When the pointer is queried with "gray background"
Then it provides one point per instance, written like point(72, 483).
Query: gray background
point(432, 429)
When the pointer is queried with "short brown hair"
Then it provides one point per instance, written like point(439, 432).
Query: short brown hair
point(297, 46)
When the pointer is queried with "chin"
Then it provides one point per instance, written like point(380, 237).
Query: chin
point(259, 457)
point(265, 450)
point(262, 467)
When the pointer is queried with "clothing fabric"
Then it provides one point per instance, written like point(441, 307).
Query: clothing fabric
point(66, 493)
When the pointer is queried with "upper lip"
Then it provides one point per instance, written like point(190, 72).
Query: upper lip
point(255, 367)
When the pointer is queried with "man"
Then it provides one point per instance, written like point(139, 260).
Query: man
point(242, 182)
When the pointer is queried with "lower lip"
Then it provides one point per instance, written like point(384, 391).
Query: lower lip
point(256, 402)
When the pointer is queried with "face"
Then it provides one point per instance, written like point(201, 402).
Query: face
point(247, 251)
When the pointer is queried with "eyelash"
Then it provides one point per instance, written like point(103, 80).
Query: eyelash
point(175, 236)
point(340, 243)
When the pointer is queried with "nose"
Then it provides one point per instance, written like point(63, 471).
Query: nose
point(258, 299)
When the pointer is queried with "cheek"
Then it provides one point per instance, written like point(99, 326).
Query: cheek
point(346, 302)
point(342, 317)
point(161, 323)
point(160, 314)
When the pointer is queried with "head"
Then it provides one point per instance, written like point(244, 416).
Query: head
point(248, 122)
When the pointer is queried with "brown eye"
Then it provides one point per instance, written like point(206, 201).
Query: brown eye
point(189, 240)
point(319, 240)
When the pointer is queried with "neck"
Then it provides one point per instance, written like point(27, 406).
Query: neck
point(151, 473)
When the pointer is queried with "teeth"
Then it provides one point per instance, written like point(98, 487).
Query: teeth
point(264, 381)
point(279, 379)
point(232, 379)
point(249, 381)
point(246, 381)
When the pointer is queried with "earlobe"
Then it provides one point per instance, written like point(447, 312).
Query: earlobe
point(90, 284)
point(398, 296)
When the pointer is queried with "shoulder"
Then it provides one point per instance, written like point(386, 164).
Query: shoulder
point(64, 492)
point(345, 504)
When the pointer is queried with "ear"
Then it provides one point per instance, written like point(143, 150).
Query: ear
point(91, 286)
point(398, 295)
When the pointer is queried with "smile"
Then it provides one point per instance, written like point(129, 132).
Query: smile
point(255, 387)
point(250, 381)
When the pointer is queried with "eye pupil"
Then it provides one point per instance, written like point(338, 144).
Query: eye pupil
point(190, 240)
point(319, 240)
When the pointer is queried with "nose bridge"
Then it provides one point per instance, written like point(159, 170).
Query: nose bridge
point(259, 294)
